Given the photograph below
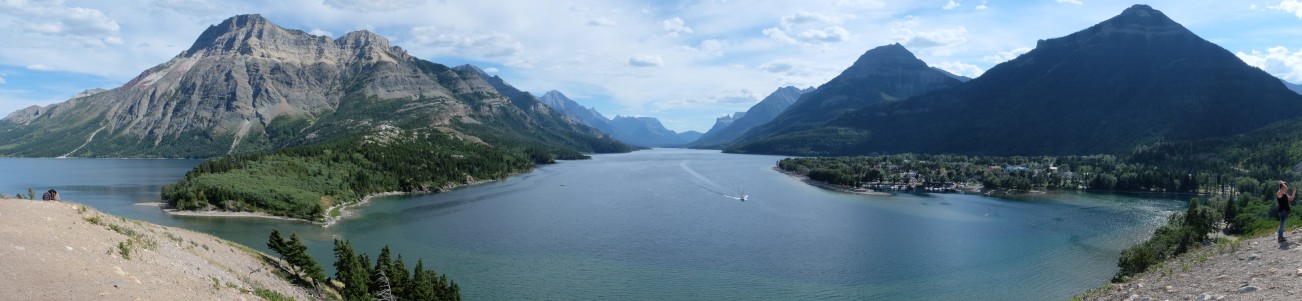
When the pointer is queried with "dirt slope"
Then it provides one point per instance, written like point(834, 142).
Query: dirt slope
point(67, 251)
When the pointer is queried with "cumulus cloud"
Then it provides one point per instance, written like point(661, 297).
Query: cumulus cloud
point(803, 18)
point(831, 34)
point(88, 26)
point(474, 44)
point(1291, 6)
point(39, 67)
point(603, 22)
point(676, 26)
point(320, 32)
point(645, 60)
point(1004, 56)
point(1278, 61)
point(1076, 2)
point(940, 41)
point(490, 70)
point(798, 72)
point(961, 68)
point(373, 5)
point(807, 28)
point(982, 6)
point(951, 5)
point(711, 47)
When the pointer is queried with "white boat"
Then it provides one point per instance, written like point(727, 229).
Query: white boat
point(743, 197)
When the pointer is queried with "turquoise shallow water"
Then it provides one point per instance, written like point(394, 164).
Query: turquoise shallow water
point(664, 224)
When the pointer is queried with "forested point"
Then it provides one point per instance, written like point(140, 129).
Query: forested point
point(303, 182)
point(1234, 179)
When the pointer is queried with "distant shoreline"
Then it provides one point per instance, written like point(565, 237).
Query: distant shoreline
point(829, 186)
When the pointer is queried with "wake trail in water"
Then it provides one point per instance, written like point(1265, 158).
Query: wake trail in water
point(705, 183)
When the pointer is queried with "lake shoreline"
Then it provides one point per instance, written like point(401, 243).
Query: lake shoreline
point(829, 186)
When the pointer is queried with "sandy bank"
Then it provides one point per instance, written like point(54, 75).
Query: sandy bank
point(67, 251)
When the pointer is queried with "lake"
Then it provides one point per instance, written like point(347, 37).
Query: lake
point(666, 224)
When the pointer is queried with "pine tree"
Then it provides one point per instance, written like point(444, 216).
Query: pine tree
point(350, 271)
point(421, 286)
point(297, 256)
point(31, 195)
point(277, 244)
point(399, 278)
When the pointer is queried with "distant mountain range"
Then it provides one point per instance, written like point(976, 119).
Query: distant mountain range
point(249, 85)
point(1132, 80)
point(640, 131)
point(729, 127)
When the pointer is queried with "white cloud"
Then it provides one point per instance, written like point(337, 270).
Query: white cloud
point(1278, 61)
point(711, 47)
point(951, 5)
point(960, 68)
point(2, 80)
point(1004, 56)
point(940, 41)
point(1076, 2)
point(804, 18)
point(779, 35)
point(676, 26)
point(808, 28)
point(320, 32)
point(473, 45)
point(1291, 6)
point(982, 6)
point(645, 60)
point(490, 70)
point(39, 67)
point(88, 26)
point(831, 34)
point(603, 22)
point(373, 5)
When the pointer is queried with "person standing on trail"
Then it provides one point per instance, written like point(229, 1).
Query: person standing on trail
point(1284, 200)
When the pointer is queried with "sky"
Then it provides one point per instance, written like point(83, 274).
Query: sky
point(684, 62)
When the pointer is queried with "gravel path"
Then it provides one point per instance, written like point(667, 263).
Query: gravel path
point(67, 251)
point(1250, 269)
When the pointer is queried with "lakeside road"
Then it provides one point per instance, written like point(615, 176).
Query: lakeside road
point(69, 251)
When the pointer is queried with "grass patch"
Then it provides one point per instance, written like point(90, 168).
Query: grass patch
point(334, 212)
point(96, 220)
point(270, 295)
point(124, 249)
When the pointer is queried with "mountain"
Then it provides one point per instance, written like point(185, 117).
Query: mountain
point(1131, 80)
point(642, 131)
point(589, 116)
point(883, 74)
point(647, 131)
point(955, 76)
point(690, 136)
point(1296, 88)
point(728, 128)
point(249, 85)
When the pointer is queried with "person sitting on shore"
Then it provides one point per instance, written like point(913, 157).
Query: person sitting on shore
point(1284, 200)
point(50, 195)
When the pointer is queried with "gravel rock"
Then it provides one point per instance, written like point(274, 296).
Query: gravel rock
point(1248, 289)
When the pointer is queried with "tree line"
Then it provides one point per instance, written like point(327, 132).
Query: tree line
point(356, 278)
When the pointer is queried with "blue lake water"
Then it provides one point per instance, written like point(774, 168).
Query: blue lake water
point(663, 224)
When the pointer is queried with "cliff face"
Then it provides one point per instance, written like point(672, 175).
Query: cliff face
point(227, 92)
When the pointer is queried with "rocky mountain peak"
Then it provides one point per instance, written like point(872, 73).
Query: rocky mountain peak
point(893, 54)
point(227, 35)
point(361, 39)
point(1137, 20)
